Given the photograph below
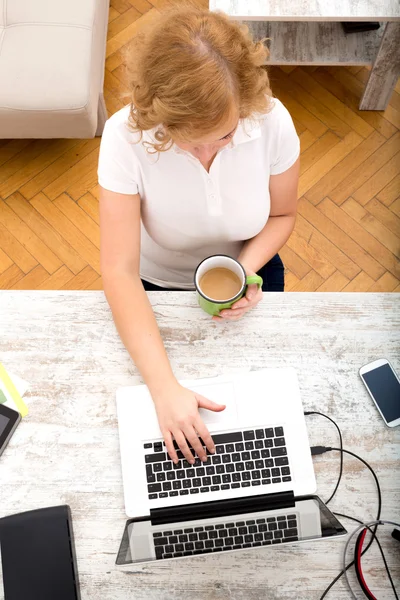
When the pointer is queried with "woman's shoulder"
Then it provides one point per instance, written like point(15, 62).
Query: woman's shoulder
point(277, 114)
point(117, 126)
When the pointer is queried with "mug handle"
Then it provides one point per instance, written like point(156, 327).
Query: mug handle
point(250, 279)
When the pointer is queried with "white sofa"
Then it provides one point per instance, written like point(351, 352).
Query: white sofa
point(52, 56)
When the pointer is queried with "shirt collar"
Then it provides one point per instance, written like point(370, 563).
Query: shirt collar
point(247, 130)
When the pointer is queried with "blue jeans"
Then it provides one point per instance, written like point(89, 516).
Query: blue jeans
point(272, 273)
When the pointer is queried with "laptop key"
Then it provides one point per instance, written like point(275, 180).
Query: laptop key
point(249, 465)
point(235, 457)
point(220, 449)
point(256, 475)
point(187, 483)
point(230, 468)
point(235, 485)
point(226, 478)
point(193, 537)
point(183, 492)
point(258, 537)
point(279, 441)
point(226, 459)
point(200, 472)
point(172, 493)
point(151, 478)
point(158, 446)
point(204, 489)
point(157, 467)
point(230, 448)
point(170, 476)
point(239, 447)
point(160, 541)
point(245, 456)
point(226, 438)
point(196, 482)
point(239, 540)
point(167, 465)
point(246, 476)
point(285, 471)
point(291, 517)
point(276, 480)
point(279, 431)
point(290, 532)
point(249, 446)
point(265, 481)
point(255, 454)
point(287, 478)
point(291, 539)
point(216, 479)
point(153, 496)
point(219, 469)
point(161, 476)
point(269, 432)
point(155, 458)
point(266, 473)
point(276, 472)
point(259, 434)
point(276, 541)
point(245, 483)
point(268, 443)
point(215, 488)
point(278, 534)
point(209, 544)
point(163, 495)
point(176, 485)
point(265, 453)
point(271, 520)
point(177, 466)
point(154, 487)
point(190, 473)
point(256, 482)
point(210, 470)
point(194, 491)
point(272, 526)
point(268, 462)
point(167, 486)
point(259, 464)
point(262, 527)
point(236, 477)
point(181, 474)
point(248, 538)
point(279, 451)
point(249, 435)
point(242, 530)
point(252, 528)
point(239, 466)
point(292, 522)
point(203, 535)
point(206, 481)
point(148, 445)
point(258, 444)
point(280, 461)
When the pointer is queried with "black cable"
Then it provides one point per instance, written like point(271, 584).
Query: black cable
point(379, 546)
point(321, 450)
point(314, 412)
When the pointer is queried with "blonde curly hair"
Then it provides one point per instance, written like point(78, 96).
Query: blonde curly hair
point(190, 69)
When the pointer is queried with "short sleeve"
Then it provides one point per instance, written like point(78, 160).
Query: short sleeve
point(116, 169)
point(285, 148)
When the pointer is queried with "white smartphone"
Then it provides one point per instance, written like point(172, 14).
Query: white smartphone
point(383, 386)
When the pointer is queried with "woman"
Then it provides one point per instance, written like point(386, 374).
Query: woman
point(203, 162)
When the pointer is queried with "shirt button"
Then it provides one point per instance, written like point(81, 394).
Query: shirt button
point(212, 196)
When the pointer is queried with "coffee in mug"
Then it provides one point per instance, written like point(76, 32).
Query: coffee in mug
point(220, 284)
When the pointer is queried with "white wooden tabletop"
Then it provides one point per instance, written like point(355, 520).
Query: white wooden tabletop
point(310, 10)
point(66, 450)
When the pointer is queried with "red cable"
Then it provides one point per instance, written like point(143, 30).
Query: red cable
point(364, 533)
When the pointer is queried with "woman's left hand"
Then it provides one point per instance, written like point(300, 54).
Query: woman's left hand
point(240, 308)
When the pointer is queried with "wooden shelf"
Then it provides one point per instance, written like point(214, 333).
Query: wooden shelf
point(313, 43)
point(309, 10)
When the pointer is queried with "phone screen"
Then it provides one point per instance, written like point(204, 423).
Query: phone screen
point(385, 388)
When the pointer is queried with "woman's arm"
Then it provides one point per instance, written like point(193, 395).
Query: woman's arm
point(262, 247)
point(177, 407)
point(283, 194)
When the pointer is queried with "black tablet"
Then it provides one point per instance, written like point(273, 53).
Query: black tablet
point(9, 420)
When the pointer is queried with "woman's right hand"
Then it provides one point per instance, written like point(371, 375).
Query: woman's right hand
point(178, 415)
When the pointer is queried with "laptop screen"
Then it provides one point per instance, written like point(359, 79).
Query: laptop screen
point(308, 518)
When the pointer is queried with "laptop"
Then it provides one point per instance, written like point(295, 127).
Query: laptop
point(256, 490)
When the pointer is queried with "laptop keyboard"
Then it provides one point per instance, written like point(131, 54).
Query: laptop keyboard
point(225, 536)
point(247, 458)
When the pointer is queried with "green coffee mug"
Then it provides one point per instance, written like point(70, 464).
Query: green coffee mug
point(211, 306)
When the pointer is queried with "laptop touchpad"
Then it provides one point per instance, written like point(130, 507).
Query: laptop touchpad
point(221, 393)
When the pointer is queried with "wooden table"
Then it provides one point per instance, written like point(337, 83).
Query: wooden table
point(309, 32)
point(66, 450)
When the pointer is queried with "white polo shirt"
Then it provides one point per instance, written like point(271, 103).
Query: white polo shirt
point(187, 213)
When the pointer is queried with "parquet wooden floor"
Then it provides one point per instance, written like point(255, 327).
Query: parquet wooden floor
point(347, 235)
